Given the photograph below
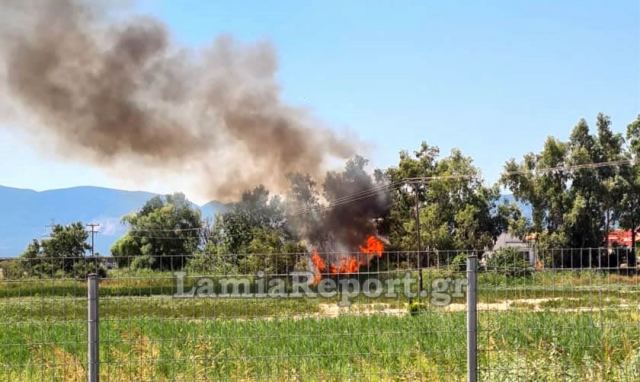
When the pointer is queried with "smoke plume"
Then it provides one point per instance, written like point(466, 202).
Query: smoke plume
point(122, 93)
point(344, 212)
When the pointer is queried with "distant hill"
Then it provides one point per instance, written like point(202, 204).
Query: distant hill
point(26, 213)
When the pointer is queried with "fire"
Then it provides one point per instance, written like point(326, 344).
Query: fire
point(345, 265)
point(318, 262)
point(349, 263)
point(373, 246)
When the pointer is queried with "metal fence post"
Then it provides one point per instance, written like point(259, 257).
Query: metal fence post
point(93, 367)
point(472, 318)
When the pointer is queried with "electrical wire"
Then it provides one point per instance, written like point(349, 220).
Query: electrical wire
point(377, 189)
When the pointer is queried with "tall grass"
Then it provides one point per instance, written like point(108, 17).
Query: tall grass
point(429, 346)
point(146, 335)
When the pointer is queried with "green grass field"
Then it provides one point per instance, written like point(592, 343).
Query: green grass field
point(549, 327)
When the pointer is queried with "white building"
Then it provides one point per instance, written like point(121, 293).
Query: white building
point(506, 240)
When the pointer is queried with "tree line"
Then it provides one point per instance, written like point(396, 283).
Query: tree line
point(574, 204)
point(578, 208)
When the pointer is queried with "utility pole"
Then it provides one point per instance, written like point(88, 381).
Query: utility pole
point(93, 227)
point(48, 228)
point(418, 240)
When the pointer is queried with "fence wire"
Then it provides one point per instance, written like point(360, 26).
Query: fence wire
point(561, 314)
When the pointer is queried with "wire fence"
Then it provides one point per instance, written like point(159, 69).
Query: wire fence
point(560, 314)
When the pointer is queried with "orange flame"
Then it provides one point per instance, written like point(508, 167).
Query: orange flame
point(373, 246)
point(348, 264)
point(318, 262)
point(345, 265)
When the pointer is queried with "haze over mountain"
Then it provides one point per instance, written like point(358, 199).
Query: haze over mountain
point(27, 213)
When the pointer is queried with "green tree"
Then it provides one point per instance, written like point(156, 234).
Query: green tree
point(575, 206)
point(545, 191)
point(63, 253)
point(234, 230)
point(253, 235)
point(303, 212)
point(163, 235)
point(628, 210)
point(457, 211)
point(585, 219)
point(272, 253)
point(610, 147)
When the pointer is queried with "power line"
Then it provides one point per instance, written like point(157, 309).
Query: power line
point(375, 190)
point(438, 177)
point(571, 168)
point(176, 230)
point(48, 227)
point(348, 199)
point(364, 191)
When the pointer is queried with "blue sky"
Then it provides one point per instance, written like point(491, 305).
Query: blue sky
point(491, 78)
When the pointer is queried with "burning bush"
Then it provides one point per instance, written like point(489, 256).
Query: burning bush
point(346, 263)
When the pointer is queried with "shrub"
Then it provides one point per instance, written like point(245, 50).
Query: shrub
point(211, 263)
point(458, 263)
point(11, 269)
point(509, 262)
point(83, 269)
point(142, 262)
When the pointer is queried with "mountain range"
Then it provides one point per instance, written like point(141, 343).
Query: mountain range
point(26, 214)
